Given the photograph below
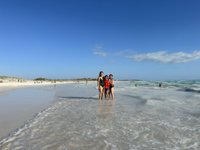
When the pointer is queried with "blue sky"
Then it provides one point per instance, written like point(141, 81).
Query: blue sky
point(133, 39)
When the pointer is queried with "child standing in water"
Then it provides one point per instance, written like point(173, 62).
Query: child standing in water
point(111, 86)
point(100, 84)
point(106, 86)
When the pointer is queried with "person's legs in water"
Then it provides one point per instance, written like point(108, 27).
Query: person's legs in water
point(112, 93)
point(100, 92)
point(107, 93)
point(103, 89)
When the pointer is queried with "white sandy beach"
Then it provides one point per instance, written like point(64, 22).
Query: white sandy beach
point(30, 83)
point(8, 85)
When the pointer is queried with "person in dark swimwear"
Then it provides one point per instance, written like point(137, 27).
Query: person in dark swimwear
point(111, 80)
point(160, 85)
point(100, 84)
point(106, 87)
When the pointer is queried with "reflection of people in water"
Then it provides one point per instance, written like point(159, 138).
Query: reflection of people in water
point(100, 107)
point(105, 107)
point(86, 81)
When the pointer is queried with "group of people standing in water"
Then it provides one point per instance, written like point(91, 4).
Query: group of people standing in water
point(106, 86)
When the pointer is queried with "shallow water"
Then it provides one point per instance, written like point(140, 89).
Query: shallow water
point(140, 118)
point(19, 105)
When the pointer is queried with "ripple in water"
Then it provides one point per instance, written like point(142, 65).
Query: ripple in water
point(136, 120)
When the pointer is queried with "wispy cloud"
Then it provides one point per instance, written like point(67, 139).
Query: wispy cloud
point(98, 51)
point(165, 57)
point(126, 52)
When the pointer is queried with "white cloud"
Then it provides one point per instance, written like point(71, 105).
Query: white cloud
point(124, 52)
point(165, 57)
point(98, 51)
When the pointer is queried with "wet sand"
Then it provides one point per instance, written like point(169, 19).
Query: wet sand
point(21, 104)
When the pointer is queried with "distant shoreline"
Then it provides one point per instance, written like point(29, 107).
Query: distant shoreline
point(6, 81)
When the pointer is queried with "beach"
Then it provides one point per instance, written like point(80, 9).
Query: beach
point(141, 117)
point(20, 101)
point(28, 83)
point(99, 75)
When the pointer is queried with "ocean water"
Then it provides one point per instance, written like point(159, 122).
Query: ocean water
point(143, 117)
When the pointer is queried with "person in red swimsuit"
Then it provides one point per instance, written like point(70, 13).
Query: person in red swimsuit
point(106, 86)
